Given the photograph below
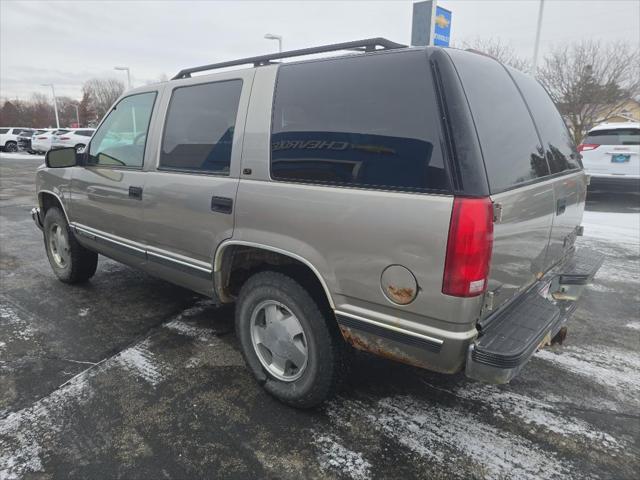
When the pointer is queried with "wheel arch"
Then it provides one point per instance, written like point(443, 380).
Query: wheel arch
point(48, 199)
point(235, 255)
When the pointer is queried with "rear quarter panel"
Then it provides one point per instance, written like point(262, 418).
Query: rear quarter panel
point(349, 235)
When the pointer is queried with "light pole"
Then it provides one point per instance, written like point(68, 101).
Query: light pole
point(536, 47)
point(271, 36)
point(77, 114)
point(128, 75)
point(55, 102)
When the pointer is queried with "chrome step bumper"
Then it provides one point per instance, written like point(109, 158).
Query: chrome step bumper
point(513, 334)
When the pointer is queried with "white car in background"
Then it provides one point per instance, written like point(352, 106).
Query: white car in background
point(611, 155)
point(78, 139)
point(41, 142)
point(9, 138)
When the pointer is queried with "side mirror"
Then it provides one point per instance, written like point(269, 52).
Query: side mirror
point(61, 158)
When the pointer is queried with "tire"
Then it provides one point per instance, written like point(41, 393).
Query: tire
point(70, 261)
point(11, 147)
point(307, 385)
point(80, 148)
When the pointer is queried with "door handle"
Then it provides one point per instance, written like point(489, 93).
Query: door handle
point(135, 192)
point(561, 206)
point(222, 204)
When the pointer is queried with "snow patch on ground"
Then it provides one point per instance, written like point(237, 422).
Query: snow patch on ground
point(631, 325)
point(83, 312)
point(440, 434)
point(334, 456)
point(21, 328)
point(177, 324)
point(619, 370)
point(20, 432)
point(504, 403)
point(615, 227)
point(140, 361)
point(20, 156)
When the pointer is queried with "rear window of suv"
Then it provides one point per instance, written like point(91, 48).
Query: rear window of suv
point(510, 146)
point(617, 136)
point(368, 121)
point(559, 146)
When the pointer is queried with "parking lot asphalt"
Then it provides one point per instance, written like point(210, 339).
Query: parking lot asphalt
point(131, 377)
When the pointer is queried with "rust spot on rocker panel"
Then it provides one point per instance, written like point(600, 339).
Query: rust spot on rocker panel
point(361, 342)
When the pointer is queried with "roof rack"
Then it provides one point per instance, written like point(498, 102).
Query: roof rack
point(367, 45)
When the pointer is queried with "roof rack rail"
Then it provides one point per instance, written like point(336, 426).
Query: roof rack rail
point(367, 45)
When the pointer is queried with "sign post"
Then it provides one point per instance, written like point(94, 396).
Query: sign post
point(431, 24)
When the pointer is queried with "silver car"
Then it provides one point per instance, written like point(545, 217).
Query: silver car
point(418, 203)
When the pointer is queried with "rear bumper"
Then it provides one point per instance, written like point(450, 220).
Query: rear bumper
point(514, 333)
point(614, 182)
point(37, 219)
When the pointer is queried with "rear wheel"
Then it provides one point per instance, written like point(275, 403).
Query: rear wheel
point(70, 261)
point(11, 147)
point(287, 341)
point(80, 148)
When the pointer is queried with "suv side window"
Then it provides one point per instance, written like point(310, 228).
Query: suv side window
point(561, 152)
point(510, 146)
point(369, 121)
point(3, 130)
point(122, 137)
point(84, 133)
point(198, 133)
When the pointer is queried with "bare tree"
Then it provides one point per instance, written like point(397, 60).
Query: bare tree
point(102, 93)
point(497, 49)
point(589, 82)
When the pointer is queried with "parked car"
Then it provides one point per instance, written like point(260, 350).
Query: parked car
point(41, 143)
point(611, 155)
point(77, 139)
point(9, 138)
point(24, 140)
point(418, 203)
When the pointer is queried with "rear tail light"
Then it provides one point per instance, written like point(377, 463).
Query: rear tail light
point(585, 147)
point(64, 138)
point(42, 138)
point(469, 247)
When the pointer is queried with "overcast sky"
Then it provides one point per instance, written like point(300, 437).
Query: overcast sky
point(66, 43)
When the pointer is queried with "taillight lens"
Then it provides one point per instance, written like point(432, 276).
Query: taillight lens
point(587, 146)
point(42, 138)
point(469, 247)
point(63, 138)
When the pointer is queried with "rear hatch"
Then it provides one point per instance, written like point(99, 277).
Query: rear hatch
point(533, 173)
point(612, 151)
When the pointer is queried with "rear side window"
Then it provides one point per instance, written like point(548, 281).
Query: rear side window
point(3, 130)
point(509, 141)
point(198, 134)
point(561, 152)
point(84, 133)
point(617, 136)
point(367, 121)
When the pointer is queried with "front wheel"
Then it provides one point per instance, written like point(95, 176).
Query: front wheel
point(290, 345)
point(70, 261)
point(11, 147)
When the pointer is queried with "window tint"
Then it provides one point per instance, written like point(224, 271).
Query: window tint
point(367, 121)
point(121, 138)
point(198, 134)
point(510, 146)
point(617, 136)
point(84, 133)
point(559, 146)
point(4, 130)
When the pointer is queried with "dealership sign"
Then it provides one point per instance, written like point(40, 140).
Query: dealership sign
point(431, 24)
